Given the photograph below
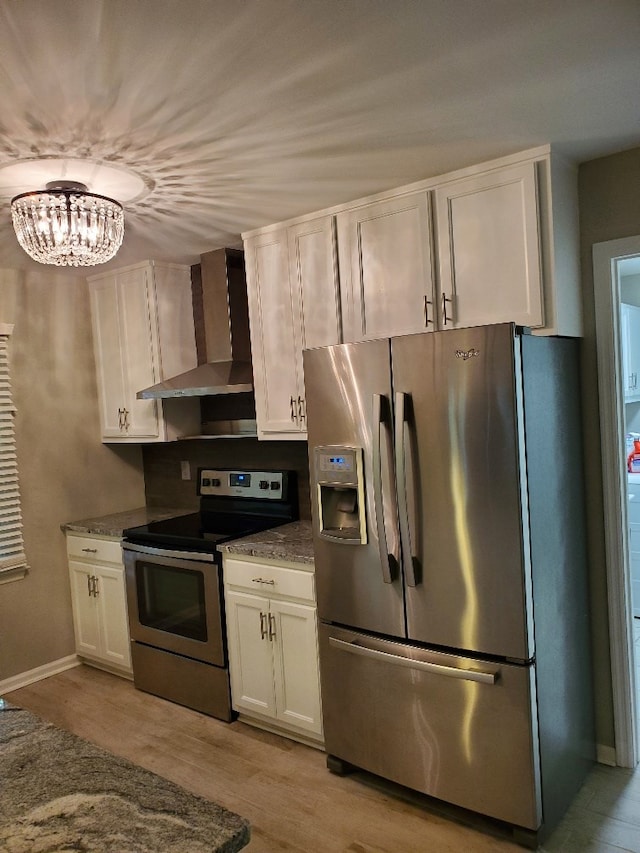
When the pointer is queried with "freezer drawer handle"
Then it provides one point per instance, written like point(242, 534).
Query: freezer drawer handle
point(425, 666)
point(388, 561)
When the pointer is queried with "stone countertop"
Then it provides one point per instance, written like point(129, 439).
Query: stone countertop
point(291, 543)
point(114, 524)
point(64, 793)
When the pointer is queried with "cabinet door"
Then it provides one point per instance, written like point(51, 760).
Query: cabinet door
point(630, 338)
point(139, 348)
point(296, 675)
point(489, 249)
point(315, 291)
point(277, 362)
point(386, 272)
point(85, 610)
point(112, 608)
point(106, 336)
point(250, 653)
point(313, 270)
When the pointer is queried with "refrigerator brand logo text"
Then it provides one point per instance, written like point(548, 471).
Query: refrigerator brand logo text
point(465, 355)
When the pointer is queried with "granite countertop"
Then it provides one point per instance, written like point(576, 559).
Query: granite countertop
point(114, 524)
point(64, 793)
point(291, 543)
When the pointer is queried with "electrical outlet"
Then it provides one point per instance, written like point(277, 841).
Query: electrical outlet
point(185, 469)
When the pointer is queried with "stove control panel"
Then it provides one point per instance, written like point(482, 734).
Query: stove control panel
point(268, 485)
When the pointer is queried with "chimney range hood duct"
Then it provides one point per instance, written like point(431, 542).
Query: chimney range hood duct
point(224, 324)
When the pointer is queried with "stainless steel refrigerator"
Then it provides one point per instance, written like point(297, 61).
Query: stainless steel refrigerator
point(450, 567)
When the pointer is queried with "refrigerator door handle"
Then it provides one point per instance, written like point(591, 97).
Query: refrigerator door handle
point(405, 505)
point(389, 561)
point(423, 665)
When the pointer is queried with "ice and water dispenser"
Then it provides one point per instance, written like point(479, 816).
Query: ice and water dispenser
point(339, 478)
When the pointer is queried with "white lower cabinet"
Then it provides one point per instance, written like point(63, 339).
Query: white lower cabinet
point(634, 542)
point(98, 598)
point(273, 645)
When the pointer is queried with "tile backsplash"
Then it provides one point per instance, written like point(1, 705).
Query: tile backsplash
point(164, 485)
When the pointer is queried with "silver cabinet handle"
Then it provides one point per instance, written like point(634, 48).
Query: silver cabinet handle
point(425, 666)
point(94, 584)
point(89, 585)
point(263, 625)
point(388, 561)
point(427, 303)
point(301, 409)
point(402, 487)
point(272, 627)
point(90, 550)
point(263, 580)
point(294, 413)
point(445, 317)
point(123, 419)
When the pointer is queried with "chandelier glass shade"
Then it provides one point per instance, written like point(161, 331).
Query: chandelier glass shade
point(66, 225)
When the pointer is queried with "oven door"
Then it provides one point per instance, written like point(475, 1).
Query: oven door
point(174, 602)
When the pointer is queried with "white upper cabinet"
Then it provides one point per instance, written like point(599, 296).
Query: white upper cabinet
point(315, 288)
point(386, 269)
point(489, 249)
point(143, 333)
point(293, 304)
point(276, 362)
point(492, 243)
point(630, 338)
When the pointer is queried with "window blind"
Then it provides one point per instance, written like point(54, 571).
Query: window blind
point(13, 563)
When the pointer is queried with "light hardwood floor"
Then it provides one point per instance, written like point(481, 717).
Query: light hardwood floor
point(284, 789)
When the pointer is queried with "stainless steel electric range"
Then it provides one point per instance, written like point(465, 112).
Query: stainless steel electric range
point(174, 584)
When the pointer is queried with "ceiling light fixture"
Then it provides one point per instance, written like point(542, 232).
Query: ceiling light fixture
point(66, 225)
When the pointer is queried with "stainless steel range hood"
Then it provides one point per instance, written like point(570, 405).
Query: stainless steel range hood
point(222, 332)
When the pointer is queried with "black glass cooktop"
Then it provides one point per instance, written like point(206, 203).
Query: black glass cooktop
point(199, 530)
point(233, 504)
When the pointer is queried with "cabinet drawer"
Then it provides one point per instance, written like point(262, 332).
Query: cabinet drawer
point(268, 580)
point(94, 549)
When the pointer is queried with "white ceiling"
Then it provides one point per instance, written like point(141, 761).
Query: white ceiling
point(239, 113)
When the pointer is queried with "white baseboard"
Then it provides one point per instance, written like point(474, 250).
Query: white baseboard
point(37, 674)
point(606, 755)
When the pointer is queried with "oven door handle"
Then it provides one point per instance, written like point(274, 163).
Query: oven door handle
point(201, 557)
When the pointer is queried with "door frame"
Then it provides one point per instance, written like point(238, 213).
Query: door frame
point(607, 258)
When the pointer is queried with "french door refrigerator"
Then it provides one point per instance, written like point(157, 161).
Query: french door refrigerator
point(450, 567)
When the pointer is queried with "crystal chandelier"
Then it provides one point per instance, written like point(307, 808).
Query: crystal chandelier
point(66, 225)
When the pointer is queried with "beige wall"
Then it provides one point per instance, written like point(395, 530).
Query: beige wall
point(65, 471)
point(609, 209)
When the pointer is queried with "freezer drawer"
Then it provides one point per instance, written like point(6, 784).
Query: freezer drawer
point(459, 729)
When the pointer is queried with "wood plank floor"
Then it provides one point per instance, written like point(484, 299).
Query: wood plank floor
point(284, 789)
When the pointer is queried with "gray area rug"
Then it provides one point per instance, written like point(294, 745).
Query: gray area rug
point(60, 794)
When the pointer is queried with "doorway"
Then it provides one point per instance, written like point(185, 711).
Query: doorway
point(616, 266)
